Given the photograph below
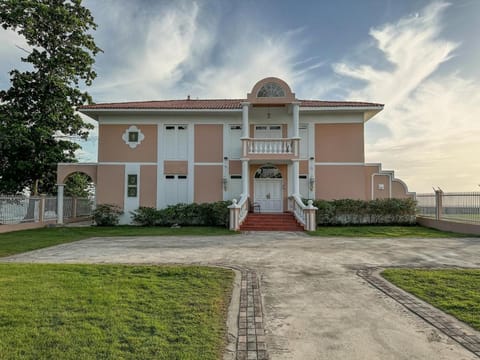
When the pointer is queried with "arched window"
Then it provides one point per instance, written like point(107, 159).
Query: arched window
point(268, 172)
point(271, 89)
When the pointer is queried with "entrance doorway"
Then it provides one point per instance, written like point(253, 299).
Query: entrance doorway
point(268, 184)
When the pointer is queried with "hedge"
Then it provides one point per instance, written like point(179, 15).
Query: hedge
point(356, 212)
point(206, 214)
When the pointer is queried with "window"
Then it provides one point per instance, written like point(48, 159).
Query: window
point(234, 187)
point(235, 143)
point(176, 142)
point(303, 183)
point(132, 185)
point(176, 189)
point(271, 90)
point(303, 141)
point(133, 136)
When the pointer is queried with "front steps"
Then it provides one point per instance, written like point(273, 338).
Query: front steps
point(271, 222)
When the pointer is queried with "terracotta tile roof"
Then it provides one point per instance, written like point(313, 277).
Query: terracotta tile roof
point(214, 104)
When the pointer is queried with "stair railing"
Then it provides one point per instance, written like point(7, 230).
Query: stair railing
point(305, 214)
point(238, 212)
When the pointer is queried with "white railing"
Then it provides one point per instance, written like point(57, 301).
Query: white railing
point(284, 146)
point(305, 214)
point(20, 209)
point(238, 212)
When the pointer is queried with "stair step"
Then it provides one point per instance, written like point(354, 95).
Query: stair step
point(271, 222)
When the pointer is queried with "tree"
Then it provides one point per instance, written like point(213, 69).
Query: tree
point(37, 112)
point(78, 185)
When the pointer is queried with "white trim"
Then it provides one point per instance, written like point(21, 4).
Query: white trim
point(177, 120)
point(130, 203)
point(338, 121)
point(160, 160)
point(85, 163)
point(339, 163)
point(341, 108)
point(191, 167)
point(209, 163)
point(125, 163)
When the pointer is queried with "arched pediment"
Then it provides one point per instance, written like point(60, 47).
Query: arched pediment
point(271, 90)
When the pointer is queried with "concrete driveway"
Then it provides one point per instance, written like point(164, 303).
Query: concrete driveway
point(315, 305)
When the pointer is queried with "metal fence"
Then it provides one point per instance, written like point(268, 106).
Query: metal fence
point(459, 207)
point(19, 209)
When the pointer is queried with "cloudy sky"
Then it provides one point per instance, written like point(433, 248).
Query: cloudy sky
point(420, 58)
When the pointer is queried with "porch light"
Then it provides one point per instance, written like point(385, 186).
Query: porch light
point(225, 183)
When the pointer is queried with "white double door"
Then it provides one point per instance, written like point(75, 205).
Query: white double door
point(268, 194)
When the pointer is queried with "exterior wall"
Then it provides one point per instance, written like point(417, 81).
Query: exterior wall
point(340, 182)
point(111, 185)
point(112, 148)
point(339, 143)
point(378, 181)
point(175, 167)
point(148, 185)
point(451, 226)
point(399, 190)
point(208, 143)
point(208, 183)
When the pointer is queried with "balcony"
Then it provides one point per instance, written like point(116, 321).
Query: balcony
point(270, 149)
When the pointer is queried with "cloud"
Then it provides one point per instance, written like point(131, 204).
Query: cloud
point(433, 132)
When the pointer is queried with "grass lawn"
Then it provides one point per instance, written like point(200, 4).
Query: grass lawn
point(26, 240)
point(383, 232)
point(113, 311)
point(456, 291)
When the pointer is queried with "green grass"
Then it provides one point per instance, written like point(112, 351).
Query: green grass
point(383, 232)
point(113, 311)
point(20, 241)
point(456, 292)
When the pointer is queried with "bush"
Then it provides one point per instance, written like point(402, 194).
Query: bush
point(206, 214)
point(107, 215)
point(356, 212)
point(145, 216)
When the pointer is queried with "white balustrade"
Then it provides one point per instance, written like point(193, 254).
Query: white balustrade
point(271, 146)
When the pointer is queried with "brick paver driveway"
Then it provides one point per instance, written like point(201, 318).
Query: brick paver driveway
point(315, 305)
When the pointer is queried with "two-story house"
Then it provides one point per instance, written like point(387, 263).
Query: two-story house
point(266, 147)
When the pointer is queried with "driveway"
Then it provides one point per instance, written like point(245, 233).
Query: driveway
point(315, 305)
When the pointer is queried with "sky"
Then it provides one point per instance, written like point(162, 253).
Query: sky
point(419, 58)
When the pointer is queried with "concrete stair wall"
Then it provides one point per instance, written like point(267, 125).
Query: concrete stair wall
point(271, 222)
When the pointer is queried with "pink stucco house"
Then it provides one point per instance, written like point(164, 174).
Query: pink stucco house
point(269, 148)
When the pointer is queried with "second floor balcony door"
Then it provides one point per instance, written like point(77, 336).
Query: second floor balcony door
point(268, 131)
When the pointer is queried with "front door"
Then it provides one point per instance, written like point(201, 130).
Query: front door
point(268, 194)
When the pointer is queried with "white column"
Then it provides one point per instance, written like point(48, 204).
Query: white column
point(245, 179)
point(296, 124)
point(60, 203)
point(296, 181)
point(245, 131)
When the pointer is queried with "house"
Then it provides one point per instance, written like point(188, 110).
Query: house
point(267, 149)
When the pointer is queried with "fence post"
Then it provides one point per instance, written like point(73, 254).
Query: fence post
point(41, 209)
point(74, 210)
point(60, 203)
point(438, 204)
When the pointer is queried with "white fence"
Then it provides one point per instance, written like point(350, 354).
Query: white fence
point(19, 209)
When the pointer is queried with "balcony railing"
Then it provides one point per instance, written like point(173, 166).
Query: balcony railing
point(285, 147)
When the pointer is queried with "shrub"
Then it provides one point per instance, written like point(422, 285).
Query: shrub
point(355, 212)
point(145, 216)
point(206, 214)
point(107, 215)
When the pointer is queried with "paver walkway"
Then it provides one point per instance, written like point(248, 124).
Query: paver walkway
point(315, 305)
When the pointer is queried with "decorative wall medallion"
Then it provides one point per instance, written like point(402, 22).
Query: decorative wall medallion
point(133, 136)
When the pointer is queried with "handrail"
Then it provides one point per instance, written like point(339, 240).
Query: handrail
point(305, 214)
point(243, 203)
point(238, 212)
point(298, 209)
